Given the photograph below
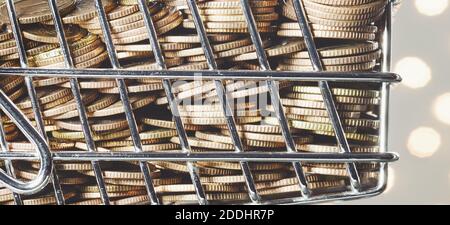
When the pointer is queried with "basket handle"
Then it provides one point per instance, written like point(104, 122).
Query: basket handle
point(22, 122)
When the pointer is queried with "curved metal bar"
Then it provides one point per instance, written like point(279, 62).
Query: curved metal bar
point(43, 151)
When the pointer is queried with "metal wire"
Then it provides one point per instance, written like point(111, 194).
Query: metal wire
point(218, 76)
point(223, 98)
point(275, 96)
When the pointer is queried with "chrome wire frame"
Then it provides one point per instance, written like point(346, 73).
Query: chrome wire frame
point(37, 136)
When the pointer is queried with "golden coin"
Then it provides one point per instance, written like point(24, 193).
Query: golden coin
point(329, 34)
point(141, 182)
point(135, 200)
point(237, 166)
point(71, 105)
point(10, 83)
point(169, 124)
point(303, 125)
point(218, 114)
point(195, 39)
point(235, 4)
point(129, 22)
point(79, 56)
point(355, 9)
point(237, 18)
point(338, 61)
point(335, 149)
point(154, 147)
point(123, 175)
point(216, 48)
point(43, 82)
point(342, 3)
point(89, 40)
point(74, 166)
point(157, 134)
point(216, 107)
point(346, 17)
point(135, 88)
point(265, 129)
point(319, 27)
point(6, 35)
point(142, 35)
point(97, 126)
point(45, 96)
point(228, 140)
point(136, 101)
point(219, 121)
point(366, 66)
point(92, 84)
point(86, 10)
point(264, 29)
point(366, 123)
point(222, 188)
point(31, 11)
point(98, 104)
point(260, 177)
point(338, 91)
point(285, 48)
point(339, 50)
point(118, 12)
point(231, 11)
point(46, 200)
point(211, 197)
point(90, 195)
point(269, 137)
point(311, 185)
point(352, 136)
point(111, 188)
point(338, 99)
point(148, 47)
point(47, 34)
point(221, 25)
point(191, 66)
point(205, 144)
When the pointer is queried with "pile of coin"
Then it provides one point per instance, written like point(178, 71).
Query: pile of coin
point(346, 35)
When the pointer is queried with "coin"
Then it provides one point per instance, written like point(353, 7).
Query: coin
point(30, 11)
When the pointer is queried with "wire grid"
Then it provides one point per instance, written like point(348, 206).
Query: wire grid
point(38, 136)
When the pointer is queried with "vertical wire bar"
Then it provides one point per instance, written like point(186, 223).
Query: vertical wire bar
point(75, 87)
point(385, 89)
point(275, 96)
point(326, 92)
point(32, 92)
point(8, 163)
point(172, 101)
point(221, 93)
point(123, 91)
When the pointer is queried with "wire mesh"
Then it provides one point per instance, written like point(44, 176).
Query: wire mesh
point(271, 78)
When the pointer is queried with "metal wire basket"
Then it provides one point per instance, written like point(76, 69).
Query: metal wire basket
point(38, 138)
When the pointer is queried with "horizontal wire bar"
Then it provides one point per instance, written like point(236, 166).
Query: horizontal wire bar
point(205, 74)
point(208, 156)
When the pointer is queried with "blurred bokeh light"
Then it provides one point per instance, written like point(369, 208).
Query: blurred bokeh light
point(431, 7)
point(415, 72)
point(424, 142)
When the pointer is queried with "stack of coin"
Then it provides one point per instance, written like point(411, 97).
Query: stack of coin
point(227, 16)
point(335, 19)
point(129, 32)
point(346, 36)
